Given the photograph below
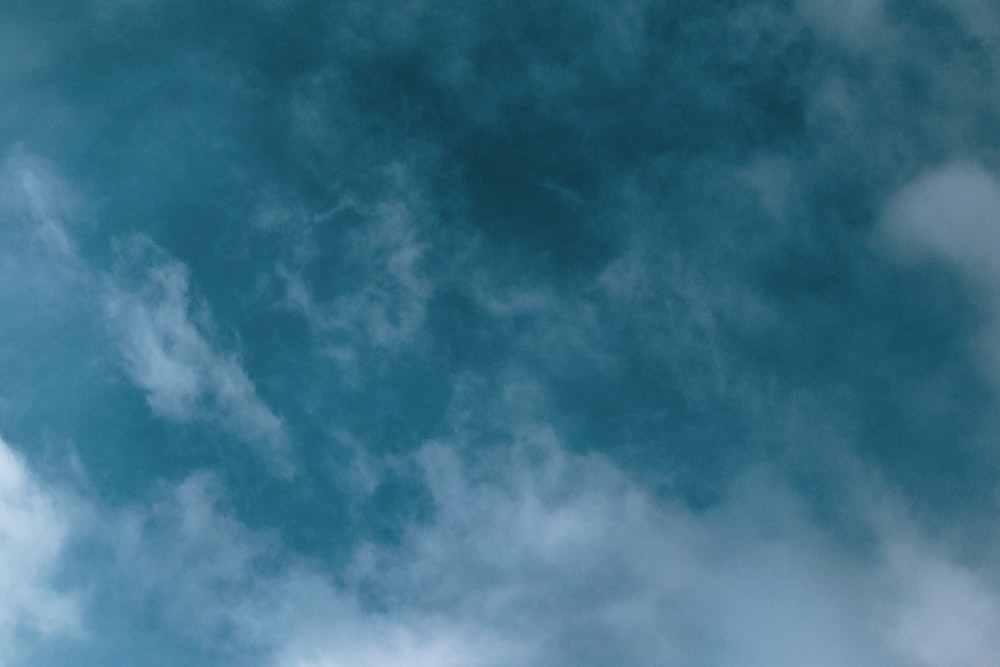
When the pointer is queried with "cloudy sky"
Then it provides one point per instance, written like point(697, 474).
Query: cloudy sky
point(559, 333)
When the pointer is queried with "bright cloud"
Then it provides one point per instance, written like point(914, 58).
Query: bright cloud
point(34, 530)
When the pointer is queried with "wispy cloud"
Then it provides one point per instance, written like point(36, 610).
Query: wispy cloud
point(165, 344)
point(376, 282)
point(34, 192)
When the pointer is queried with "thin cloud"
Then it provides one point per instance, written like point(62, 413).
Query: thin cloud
point(378, 299)
point(167, 353)
point(32, 189)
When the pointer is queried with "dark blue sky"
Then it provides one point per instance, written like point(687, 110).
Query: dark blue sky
point(499, 334)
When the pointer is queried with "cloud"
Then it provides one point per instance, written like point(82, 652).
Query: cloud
point(949, 218)
point(34, 531)
point(948, 615)
point(369, 288)
point(49, 336)
point(163, 336)
point(980, 18)
point(855, 24)
point(572, 563)
point(39, 200)
point(951, 213)
point(536, 556)
point(532, 556)
point(240, 594)
point(167, 352)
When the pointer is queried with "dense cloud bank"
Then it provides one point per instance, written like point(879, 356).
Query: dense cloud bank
point(491, 334)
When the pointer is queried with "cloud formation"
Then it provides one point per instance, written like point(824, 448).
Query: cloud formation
point(950, 213)
point(535, 556)
point(34, 530)
point(36, 194)
point(951, 216)
point(167, 354)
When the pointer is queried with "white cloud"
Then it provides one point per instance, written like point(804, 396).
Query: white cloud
point(38, 259)
point(574, 564)
point(34, 530)
point(539, 557)
point(167, 352)
point(534, 556)
point(33, 192)
point(550, 549)
point(948, 616)
point(163, 333)
point(238, 592)
point(950, 213)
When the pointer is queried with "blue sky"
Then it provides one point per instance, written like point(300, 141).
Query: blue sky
point(521, 334)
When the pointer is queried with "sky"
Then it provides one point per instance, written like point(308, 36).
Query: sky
point(550, 333)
